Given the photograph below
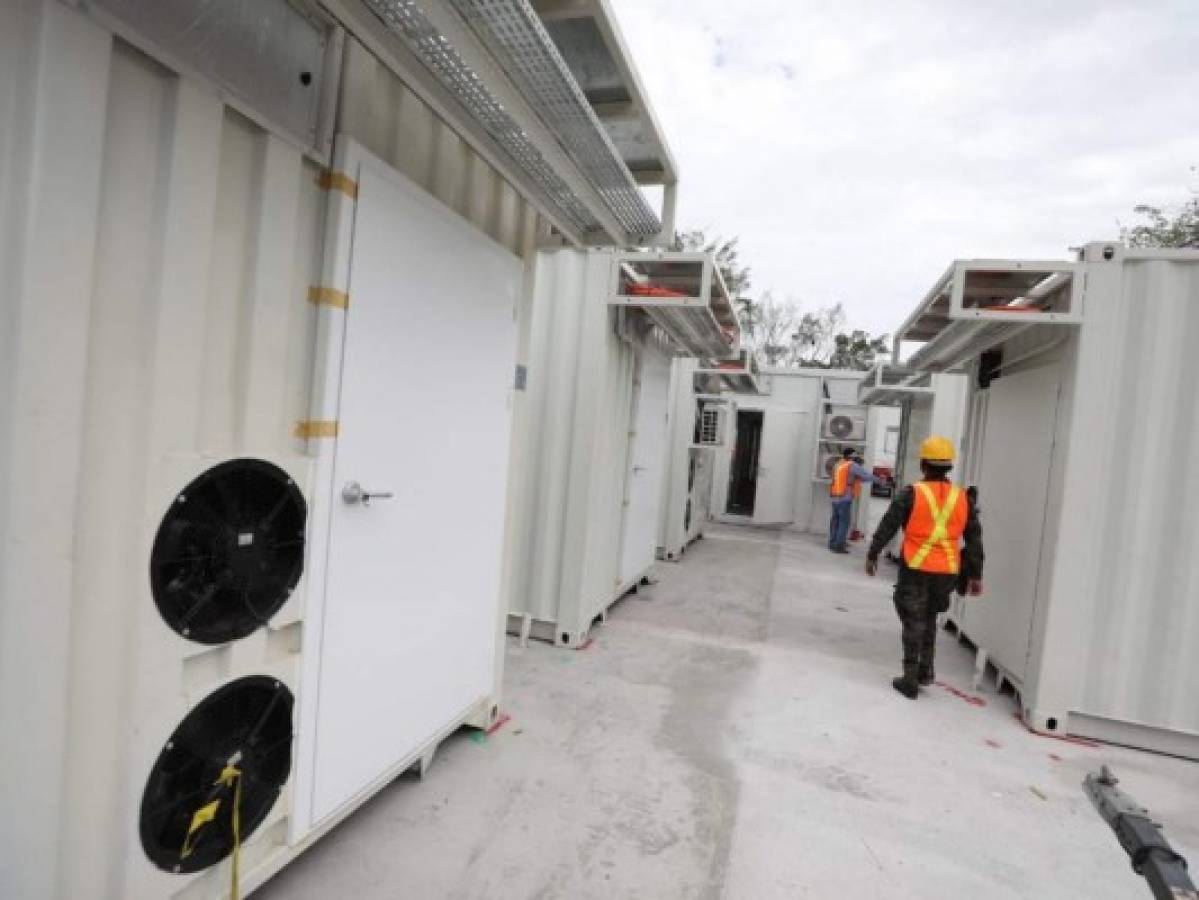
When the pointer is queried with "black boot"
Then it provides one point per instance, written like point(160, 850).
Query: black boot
point(926, 676)
point(907, 684)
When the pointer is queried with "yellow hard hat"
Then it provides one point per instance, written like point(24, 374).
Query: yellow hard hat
point(937, 450)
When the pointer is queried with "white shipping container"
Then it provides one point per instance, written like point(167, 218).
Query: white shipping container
point(585, 518)
point(1084, 444)
point(180, 282)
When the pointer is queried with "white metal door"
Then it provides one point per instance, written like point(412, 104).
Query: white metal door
point(778, 462)
point(1014, 485)
point(648, 458)
point(413, 579)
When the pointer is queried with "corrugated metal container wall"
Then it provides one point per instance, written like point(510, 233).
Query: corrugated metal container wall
point(160, 247)
point(1096, 619)
point(569, 509)
point(1118, 636)
point(383, 114)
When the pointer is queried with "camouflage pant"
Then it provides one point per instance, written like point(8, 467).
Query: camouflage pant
point(919, 597)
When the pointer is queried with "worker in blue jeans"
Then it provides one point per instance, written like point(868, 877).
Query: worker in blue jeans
point(848, 476)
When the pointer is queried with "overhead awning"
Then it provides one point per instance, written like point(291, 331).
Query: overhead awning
point(497, 62)
point(684, 294)
point(740, 375)
point(979, 304)
point(592, 45)
point(888, 385)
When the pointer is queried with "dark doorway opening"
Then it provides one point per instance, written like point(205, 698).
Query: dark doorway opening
point(743, 476)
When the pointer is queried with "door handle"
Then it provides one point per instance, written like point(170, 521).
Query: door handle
point(353, 492)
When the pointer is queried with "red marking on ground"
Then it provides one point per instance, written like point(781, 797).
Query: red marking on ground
point(1068, 738)
point(503, 720)
point(1055, 757)
point(995, 744)
point(969, 698)
point(587, 643)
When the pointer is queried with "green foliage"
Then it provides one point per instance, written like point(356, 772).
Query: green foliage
point(1163, 228)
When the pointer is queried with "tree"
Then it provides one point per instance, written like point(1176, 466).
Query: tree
point(774, 330)
point(857, 350)
point(737, 277)
point(1165, 227)
point(814, 340)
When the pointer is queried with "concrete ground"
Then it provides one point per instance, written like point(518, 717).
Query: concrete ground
point(731, 733)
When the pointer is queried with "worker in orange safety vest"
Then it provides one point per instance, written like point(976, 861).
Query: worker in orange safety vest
point(937, 516)
point(848, 475)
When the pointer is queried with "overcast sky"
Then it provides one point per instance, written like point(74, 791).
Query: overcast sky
point(858, 147)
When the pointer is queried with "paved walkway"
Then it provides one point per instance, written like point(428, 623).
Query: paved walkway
point(731, 733)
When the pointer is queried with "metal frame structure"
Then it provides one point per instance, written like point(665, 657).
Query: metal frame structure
point(452, 56)
point(887, 385)
point(980, 303)
point(741, 375)
point(698, 316)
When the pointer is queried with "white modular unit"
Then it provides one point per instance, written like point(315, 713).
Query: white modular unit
point(787, 470)
point(586, 510)
point(1083, 440)
point(171, 368)
point(687, 486)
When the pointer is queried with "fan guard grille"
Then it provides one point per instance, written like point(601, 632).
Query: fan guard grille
point(229, 551)
point(248, 720)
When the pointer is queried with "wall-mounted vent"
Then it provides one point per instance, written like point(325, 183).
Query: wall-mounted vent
point(187, 811)
point(229, 551)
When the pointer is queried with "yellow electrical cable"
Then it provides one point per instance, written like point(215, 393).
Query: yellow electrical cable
point(230, 777)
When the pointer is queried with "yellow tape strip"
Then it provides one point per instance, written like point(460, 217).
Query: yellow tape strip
point(338, 181)
point(323, 296)
point(316, 428)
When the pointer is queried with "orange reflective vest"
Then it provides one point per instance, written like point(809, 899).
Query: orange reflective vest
point(932, 538)
point(840, 485)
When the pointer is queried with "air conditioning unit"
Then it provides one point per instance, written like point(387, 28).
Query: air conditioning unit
point(845, 424)
point(828, 462)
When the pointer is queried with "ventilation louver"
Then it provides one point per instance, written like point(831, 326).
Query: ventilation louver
point(245, 724)
point(711, 426)
point(229, 551)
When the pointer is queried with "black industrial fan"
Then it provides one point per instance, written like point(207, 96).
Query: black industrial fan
point(245, 724)
point(229, 551)
point(841, 427)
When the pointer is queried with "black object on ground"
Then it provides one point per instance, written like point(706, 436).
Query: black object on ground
point(1163, 868)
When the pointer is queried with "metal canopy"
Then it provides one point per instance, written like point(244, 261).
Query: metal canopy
point(590, 42)
point(536, 114)
point(887, 385)
point(740, 375)
point(979, 304)
point(684, 294)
